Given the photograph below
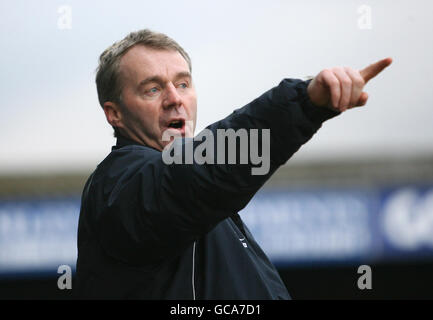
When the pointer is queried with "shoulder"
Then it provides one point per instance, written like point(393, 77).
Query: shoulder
point(126, 162)
point(131, 155)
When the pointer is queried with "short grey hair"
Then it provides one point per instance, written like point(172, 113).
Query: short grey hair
point(108, 82)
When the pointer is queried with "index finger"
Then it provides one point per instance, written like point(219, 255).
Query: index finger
point(374, 69)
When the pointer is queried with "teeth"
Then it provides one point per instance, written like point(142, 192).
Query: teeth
point(175, 123)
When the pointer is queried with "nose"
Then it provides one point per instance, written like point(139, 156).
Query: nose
point(172, 97)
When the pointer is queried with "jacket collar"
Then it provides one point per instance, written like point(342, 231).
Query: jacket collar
point(123, 141)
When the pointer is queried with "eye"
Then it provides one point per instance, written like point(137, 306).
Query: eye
point(152, 91)
point(183, 85)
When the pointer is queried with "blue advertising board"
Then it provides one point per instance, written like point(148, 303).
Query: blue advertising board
point(341, 225)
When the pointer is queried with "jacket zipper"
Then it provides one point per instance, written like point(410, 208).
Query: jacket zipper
point(193, 269)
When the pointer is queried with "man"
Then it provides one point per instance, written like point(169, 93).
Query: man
point(152, 230)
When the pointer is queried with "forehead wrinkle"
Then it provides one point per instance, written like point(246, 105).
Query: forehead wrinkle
point(151, 67)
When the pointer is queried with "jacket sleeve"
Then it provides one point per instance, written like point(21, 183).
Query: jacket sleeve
point(152, 210)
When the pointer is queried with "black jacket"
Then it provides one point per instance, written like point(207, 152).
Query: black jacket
point(149, 230)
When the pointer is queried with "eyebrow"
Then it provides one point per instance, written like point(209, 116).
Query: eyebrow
point(158, 79)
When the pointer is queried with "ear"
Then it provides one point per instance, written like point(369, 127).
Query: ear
point(113, 113)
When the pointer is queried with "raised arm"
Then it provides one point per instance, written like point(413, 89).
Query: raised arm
point(152, 209)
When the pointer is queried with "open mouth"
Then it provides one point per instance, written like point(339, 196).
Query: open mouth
point(176, 124)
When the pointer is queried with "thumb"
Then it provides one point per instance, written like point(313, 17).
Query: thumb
point(362, 100)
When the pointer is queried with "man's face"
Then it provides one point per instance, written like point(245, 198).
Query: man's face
point(157, 96)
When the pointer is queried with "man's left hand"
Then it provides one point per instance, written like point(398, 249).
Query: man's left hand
point(341, 88)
